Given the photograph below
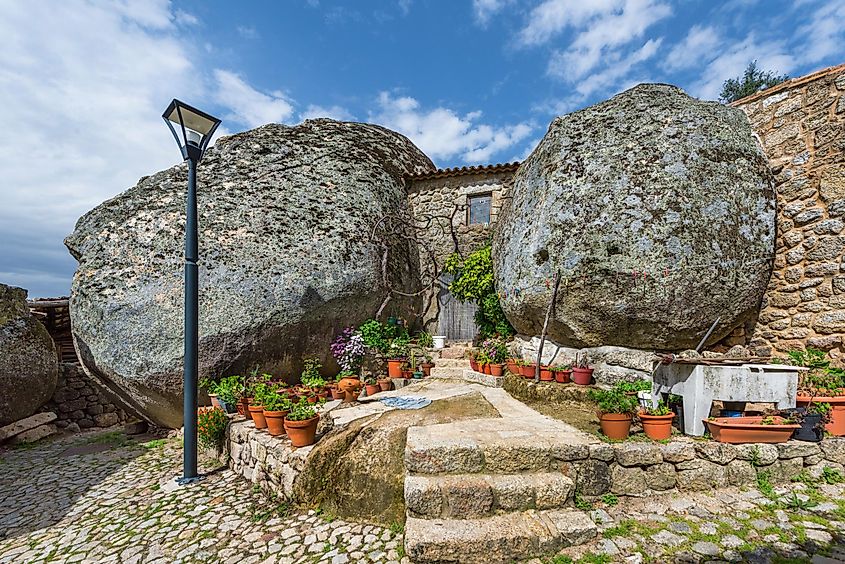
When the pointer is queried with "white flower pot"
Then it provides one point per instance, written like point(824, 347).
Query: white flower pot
point(439, 341)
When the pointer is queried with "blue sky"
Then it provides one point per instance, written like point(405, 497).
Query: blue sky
point(83, 84)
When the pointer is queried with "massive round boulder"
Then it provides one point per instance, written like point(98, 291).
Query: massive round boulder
point(657, 210)
point(288, 256)
point(29, 366)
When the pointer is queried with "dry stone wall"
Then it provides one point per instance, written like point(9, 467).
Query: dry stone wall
point(801, 125)
point(80, 403)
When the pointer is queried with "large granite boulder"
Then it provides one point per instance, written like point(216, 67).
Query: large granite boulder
point(657, 209)
point(286, 258)
point(29, 366)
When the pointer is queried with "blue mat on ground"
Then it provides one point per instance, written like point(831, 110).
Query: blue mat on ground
point(406, 402)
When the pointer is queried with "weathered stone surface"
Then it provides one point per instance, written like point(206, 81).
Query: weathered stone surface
point(740, 472)
point(759, 454)
point(638, 454)
point(653, 183)
point(677, 451)
point(35, 434)
point(720, 453)
point(834, 449)
point(29, 367)
point(660, 476)
point(795, 449)
point(26, 424)
point(627, 481)
point(286, 258)
point(700, 475)
point(592, 477)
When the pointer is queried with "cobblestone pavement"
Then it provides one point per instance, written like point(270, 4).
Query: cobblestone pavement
point(103, 497)
point(802, 521)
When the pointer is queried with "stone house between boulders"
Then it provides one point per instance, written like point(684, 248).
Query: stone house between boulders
point(801, 125)
point(458, 207)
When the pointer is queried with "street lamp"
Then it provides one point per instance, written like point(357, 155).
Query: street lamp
point(196, 128)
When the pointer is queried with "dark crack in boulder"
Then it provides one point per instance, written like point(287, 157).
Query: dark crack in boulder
point(657, 209)
point(29, 366)
point(286, 258)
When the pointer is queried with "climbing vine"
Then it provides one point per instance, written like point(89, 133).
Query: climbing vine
point(474, 282)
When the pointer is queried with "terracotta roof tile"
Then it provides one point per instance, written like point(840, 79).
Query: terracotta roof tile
point(464, 170)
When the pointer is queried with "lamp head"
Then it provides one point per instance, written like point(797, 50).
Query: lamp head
point(194, 128)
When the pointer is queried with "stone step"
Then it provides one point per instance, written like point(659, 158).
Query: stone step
point(26, 424)
point(447, 371)
point(451, 363)
point(492, 446)
point(497, 539)
point(467, 496)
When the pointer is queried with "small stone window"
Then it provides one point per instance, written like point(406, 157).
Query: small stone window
point(478, 209)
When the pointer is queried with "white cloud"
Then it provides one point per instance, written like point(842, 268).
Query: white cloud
point(442, 133)
point(551, 17)
point(484, 10)
point(81, 122)
point(731, 61)
point(823, 36)
point(250, 106)
point(334, 112)
point(613, 73)
point(247, 32)
point(699, 42)
point(405, 6)
point(604, 34)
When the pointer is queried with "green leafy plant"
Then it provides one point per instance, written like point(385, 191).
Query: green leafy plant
point(832, 475)
point(276, 402)
point(301, 411)
point(473, 281)
point(635, 386)
point(609, 499)
point(372, 331)
point(581, 503)
point(311, 374)
point(424, 340)
point(809, 358)
point(614, 400)
point(661, 409)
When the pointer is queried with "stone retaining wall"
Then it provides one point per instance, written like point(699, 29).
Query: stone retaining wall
point(269, 462)
point(80, 403)
point(687, 464)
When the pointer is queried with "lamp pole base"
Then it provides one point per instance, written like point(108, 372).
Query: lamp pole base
point(188, 481)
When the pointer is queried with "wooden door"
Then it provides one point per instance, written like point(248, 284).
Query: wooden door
point(457, 319)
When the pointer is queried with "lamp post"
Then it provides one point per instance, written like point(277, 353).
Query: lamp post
point(196, 128)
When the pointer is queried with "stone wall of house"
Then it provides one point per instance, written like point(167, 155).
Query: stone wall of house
point(801, 125)
point(442, 199)
point(80, 403)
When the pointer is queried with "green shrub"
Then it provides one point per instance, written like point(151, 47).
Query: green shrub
point(211, 427)
point(474, 282)
point(614, 400)
point(301, 411)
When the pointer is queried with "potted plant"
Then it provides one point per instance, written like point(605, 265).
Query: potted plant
point(527, 369)
point(512, 365)
point(211, 428)
point(657, 421)
point(495, 351)
point(349, 385)
point(384, 384)
point(616, 409)
point(813, 418)
point(822, 384)
point(562, 373)
point(759, 429)
point(582, 374)
point(276, 408)
point(256, 405)
point(228, 390)
point(546, 374)
point(371, 385)
point(301, 424)
point(472, 354)
point(427, 365)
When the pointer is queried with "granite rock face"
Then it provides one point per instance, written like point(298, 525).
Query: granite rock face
point(29, 366)
point(286, 258)
point(657, 209)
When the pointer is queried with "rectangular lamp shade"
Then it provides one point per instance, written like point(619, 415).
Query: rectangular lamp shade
point(193, 118)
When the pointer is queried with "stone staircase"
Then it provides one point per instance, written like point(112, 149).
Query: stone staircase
point(491, 490)
point(459, 369)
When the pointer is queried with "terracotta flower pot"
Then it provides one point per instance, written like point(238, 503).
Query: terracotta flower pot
point(546, 374)
point(243, 408)
point(657, 427)
point(214, 401)
point(350, 387)
point(474, 365)
point(302, 433)
point(384, 385)
point(739, 430)
point(512, 366)
point(275, 422)
point(615, 425)
point(836, 427)
point(426, 368)
point(497, 369)
point(311, 399)
point(257, 412)
point(487, 369)
point(407, 374)
point(527, 370)
point(394, 368)
point(337, 394)
point(372, 389)
point(582, 376)
point(562, 376)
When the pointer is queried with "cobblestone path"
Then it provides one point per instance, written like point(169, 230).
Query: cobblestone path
point(103, 497)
